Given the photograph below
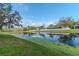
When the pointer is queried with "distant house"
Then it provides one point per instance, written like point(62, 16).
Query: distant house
point(65, 28)
point(62, 27)
point(76, 26)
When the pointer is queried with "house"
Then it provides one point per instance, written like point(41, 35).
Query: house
point(76, 26)
point(65, 28)
point(61, 27)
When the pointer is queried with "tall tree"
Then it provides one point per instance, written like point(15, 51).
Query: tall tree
point(66, 22)
point(8, 16)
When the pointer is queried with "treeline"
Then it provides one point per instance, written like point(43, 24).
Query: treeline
point(64, 22)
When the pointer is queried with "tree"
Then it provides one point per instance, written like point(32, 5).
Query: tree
point(31, 27)
point(51, 26)
point(41, 27)
point(66, 22)
point(76, 24)
point(9, 17)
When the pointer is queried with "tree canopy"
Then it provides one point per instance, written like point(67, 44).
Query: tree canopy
point(9, 17)
point(66, 22)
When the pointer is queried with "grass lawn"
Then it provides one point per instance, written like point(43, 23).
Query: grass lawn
point(56, 31)
point(10, 45)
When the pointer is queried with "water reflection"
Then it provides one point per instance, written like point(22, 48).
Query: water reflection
point(70, 39)
point(67, 39)
point(50, 35)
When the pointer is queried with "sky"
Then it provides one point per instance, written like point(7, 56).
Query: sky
point(46, 13)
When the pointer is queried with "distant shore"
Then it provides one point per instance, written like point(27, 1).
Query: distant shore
point(55, 30)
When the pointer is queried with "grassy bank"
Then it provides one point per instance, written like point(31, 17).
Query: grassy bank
point(55, 31)
point(10, 45)
point(44, 30)
point(58, 49)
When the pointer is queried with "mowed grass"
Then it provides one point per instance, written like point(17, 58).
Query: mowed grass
point(56, 31)
point(12, 46)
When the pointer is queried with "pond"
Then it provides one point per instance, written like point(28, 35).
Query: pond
point(68, 39)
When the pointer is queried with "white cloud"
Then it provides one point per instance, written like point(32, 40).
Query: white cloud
point(37, 23)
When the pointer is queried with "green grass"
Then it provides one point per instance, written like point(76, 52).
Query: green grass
point(43, 30)
point(57, 31)
point(10, 45)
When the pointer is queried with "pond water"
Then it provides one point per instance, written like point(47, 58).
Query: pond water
point(70, 39)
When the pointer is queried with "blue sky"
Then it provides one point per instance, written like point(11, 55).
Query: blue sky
point(38, 14)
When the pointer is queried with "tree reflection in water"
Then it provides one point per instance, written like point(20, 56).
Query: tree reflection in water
point(50, 35)
point(67, 39)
